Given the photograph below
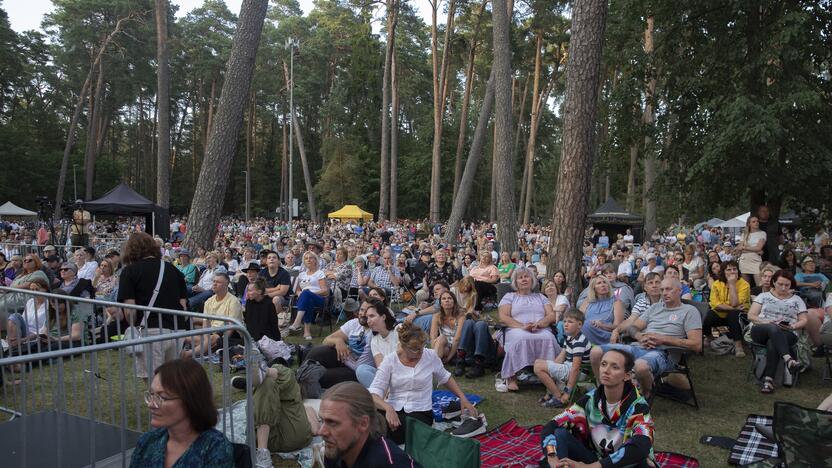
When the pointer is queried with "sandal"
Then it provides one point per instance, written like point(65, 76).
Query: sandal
point(552, 403)
point(768, 386)
point(792, 364)
point(544, 398)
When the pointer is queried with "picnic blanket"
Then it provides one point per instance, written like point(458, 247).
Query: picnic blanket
point(510, 445)
point(443, 397)
point(751, 446)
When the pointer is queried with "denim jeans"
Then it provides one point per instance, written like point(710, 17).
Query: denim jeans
point(365, 374)
point(423, 321)
point(476, 340)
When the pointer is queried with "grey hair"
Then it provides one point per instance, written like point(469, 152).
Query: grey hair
point(521, 270)
point(360, 403)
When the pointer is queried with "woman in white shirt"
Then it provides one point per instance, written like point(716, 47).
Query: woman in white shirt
point(25, 326)
point(751, 246)
point(406, 378)
point(385, 338)
point(311, 291)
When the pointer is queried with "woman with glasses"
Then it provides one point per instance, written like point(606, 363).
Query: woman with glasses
point(105, 281)
point(30, 271)
point(403, 385)
point(183, 416)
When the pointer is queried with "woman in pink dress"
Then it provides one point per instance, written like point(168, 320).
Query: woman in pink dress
point(527, 314)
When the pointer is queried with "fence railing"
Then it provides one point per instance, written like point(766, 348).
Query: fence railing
point(74, 394)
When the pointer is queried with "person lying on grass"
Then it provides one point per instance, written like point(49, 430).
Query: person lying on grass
point(567, 366)
point(610, 426)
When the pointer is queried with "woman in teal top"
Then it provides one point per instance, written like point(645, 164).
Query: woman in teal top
point(506, 267)
point(182, 411)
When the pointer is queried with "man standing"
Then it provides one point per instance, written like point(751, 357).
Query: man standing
point(666, 324)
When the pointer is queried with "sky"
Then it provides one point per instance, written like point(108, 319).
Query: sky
point(27, 14)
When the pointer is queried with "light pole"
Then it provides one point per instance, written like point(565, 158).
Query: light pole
point(74, 184)
point(291, 44)
point(248, 193)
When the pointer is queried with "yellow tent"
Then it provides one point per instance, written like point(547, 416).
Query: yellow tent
point(351, 213)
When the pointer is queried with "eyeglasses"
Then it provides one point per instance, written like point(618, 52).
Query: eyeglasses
point(28, 260)
point(155, 400)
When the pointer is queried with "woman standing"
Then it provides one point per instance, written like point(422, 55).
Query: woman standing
point(775, 318)
point(311, 291)
point(527, 315)
point(751, 246)
point(603, 313)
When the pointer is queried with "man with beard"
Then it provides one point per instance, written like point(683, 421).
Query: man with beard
point(344, 350)
point(351, 429)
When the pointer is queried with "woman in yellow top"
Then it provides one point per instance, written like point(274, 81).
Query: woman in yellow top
point(730, 297)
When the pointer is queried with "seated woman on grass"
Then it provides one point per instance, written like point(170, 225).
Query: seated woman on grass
point(610, 426)
point(446, 327)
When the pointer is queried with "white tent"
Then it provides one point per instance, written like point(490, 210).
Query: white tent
point(734, 223)
point(10, 209)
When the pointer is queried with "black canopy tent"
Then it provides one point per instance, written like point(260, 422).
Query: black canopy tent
point(614, 219)
point(124, 201)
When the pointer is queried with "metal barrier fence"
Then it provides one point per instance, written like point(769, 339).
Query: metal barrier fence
point(101, 245)
point(73, 392)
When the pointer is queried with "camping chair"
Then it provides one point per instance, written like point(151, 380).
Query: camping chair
point(804, 435)
point(758, 356)
point(437, 449)
point(666, 390)
point(703, 308)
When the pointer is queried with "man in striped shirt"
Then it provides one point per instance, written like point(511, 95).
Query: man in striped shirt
point(566, 367)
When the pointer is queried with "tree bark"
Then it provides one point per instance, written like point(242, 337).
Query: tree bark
point(503, 123)
point(394, 143)
point(206, 206)
point(307, 176)
point(79, 104)
point(163, 101)
point(384, 169)
point(648, 118)
point(284, 175)
point(583, 77)
point(439, 90)
point(529, 181)
point(466, 100)
point(631, 178)
point(94, 115)
point(466, 184)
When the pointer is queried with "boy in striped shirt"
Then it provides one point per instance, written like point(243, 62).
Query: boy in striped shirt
point(566, 367)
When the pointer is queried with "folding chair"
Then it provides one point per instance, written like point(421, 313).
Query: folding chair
point(660, 387)
point(804, 435)
point(437, 449)
point(758, 356)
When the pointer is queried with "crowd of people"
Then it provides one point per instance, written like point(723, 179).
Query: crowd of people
point(414, 307)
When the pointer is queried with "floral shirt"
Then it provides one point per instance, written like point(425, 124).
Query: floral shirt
point(211, 450)
point(446, 272)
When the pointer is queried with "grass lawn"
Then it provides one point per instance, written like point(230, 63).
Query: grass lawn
point(725, 392)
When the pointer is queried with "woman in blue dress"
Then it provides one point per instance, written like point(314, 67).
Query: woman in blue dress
point(602, 311)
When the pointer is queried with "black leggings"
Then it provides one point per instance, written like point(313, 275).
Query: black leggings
point(731, 320)
point(398, 436)
point(484, 290)
point(336, 371)
point(778, 341)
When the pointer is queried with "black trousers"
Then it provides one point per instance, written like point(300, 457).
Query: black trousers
point(778, 341)
point(398, 436)
point(336, 371)
point(731, 320)
point(484, 290)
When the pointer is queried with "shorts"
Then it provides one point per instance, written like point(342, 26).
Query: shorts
point(659, 360)
point(559, 372)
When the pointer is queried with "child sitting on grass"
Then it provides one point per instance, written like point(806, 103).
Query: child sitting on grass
point(567, 365)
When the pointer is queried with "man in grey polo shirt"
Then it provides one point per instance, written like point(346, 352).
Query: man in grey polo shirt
point(666, 324)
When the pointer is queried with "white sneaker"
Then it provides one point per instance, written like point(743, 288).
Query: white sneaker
point(263, 459)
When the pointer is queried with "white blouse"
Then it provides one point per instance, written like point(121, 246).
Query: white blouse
point(410, 388)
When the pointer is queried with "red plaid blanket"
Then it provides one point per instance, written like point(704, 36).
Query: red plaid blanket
point(510, 445)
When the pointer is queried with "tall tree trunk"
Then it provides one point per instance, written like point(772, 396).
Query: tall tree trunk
point(284, 174)
point(394, 143)
point(163, 102)
point(466, 100)
point(466, 184)
point(384, 164)
point(439, 90)
point(307, 176)
point(503, 123)
point(520, 120)
point(529, 182)
point(492, 212)
point(631, 178)
point(206, 206)
point(209, 122)
point(79, 104)
point(648, 118)
point(583, 78)
point(92, 132)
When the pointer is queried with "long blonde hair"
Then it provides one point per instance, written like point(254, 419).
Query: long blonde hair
point(470, 294)
point(592, 296)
